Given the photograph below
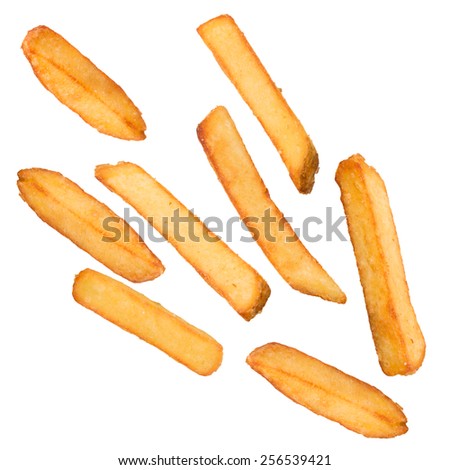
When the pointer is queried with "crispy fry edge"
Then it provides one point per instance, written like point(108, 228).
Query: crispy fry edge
point(257, 359)
point(155, 267)
point(149, 312)
point(398, 340)
point(132, 129)
point(106, 172)
point(208, 135)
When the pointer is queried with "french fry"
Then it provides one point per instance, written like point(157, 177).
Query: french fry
point(398, 339)
point(88, 223)
point(81, 86)
point(240, 178)
point(236, 281)
point(329, 392)
point(244, 69)
point(150, 321)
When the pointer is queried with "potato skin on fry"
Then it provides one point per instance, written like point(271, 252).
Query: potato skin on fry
point(150, 321)
point(228, 274)
point(236, 171)
point(81, 86)
point(398, 339)
point(88, 223)
point(328, 392)
point(242, 66)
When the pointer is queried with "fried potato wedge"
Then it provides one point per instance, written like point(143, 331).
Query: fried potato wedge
point(240, 178)
point(244, 69)
point(328, 392)
point(88, 223)
point(398, 339)
point(81, 86)
point(235, 280)
point(150, 321)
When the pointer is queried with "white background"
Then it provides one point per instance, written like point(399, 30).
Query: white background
point(77, 392)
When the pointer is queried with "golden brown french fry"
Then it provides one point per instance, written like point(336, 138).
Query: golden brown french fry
point(244, 69)
point(150, 321)
point(236, 281)
point(240, 178)
point(88, 223)
point(398, 339)
point(328, 392)
point(81, 86)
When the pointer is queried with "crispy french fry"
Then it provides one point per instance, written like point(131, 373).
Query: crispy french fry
point(244, 69)
point(328, 392)
point(398, 339)
point(81, 86)
point(150, 321)
point(88, 223)
point(240, 178)
point(236, 281)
